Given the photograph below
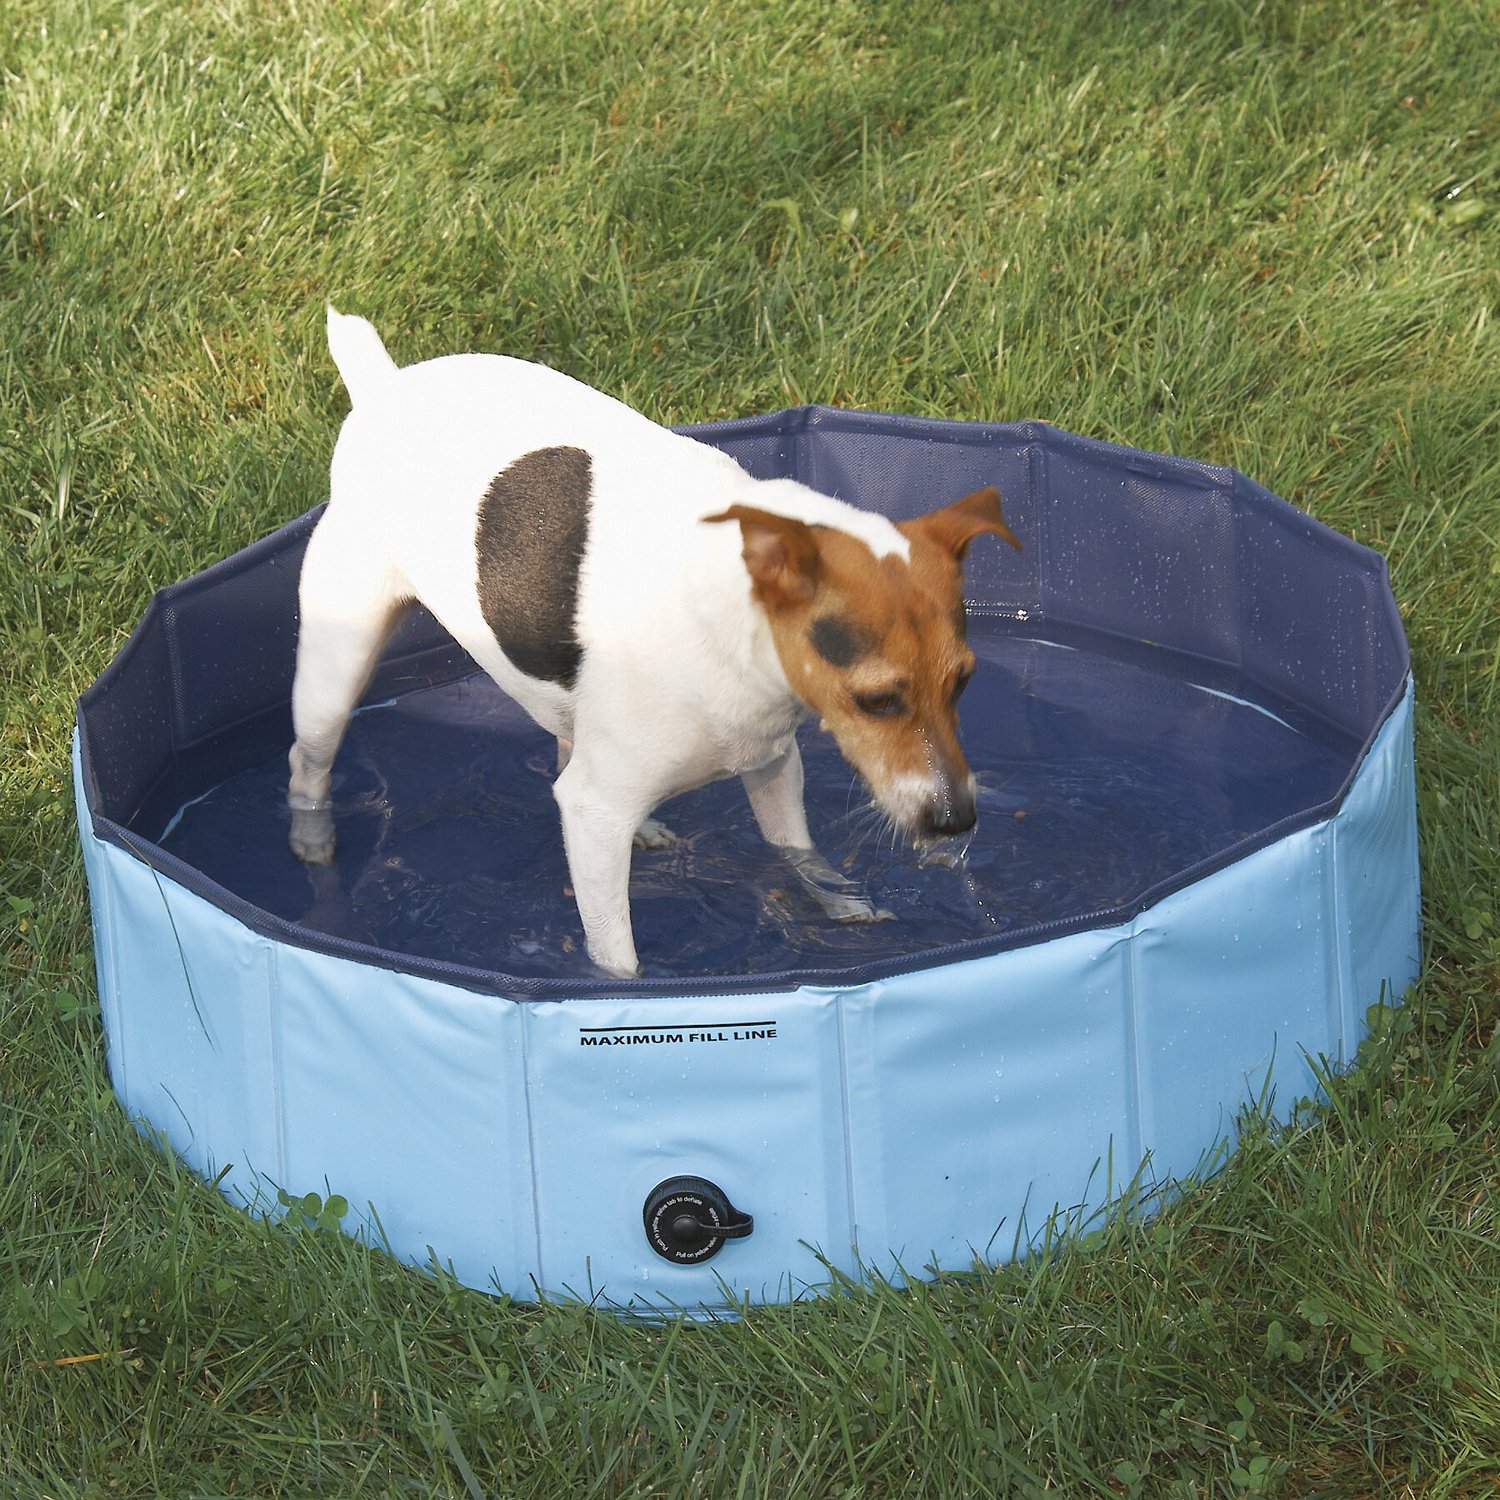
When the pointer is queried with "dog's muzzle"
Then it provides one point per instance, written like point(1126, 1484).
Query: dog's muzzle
point(931, 807)
point(949, 812)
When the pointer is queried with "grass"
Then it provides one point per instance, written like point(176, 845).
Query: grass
point(1264, 235)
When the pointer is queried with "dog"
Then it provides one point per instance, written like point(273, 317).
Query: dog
point(669, 619)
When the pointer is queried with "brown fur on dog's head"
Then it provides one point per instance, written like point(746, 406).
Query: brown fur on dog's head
point(876, 647)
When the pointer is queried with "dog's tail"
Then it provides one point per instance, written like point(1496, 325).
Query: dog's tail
point(359, 354)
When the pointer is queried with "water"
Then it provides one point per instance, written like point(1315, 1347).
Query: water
point(1102, 773)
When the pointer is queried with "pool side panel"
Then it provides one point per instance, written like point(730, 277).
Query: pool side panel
point(1232, 973)
point(408, 1098)
point(740, 1089)
point(990, 1093)
point(1377, 874)
point(187, 1001)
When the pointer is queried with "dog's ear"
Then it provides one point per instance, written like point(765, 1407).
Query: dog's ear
point(954, 526)
point(781, 555)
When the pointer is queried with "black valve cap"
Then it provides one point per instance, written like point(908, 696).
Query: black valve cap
point(688, 1219)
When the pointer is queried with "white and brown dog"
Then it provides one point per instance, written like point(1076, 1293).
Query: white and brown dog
point(668, 618)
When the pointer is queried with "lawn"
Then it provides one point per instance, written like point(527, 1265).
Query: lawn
point(1263, 235)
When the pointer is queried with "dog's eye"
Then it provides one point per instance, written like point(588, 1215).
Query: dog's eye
point(880, 705)
point(962, 681)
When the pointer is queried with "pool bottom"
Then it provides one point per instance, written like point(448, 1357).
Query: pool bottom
point(1104, 771)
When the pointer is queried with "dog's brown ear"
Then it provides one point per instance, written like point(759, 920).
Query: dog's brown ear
point(781, 555)
point(955, 526)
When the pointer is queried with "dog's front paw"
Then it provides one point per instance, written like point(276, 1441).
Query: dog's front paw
point(840, 906)
point(854, 909)
point(840, 899)
point(311, 835)
point(654, 835)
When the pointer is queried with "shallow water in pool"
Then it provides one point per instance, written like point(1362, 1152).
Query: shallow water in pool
point(1100, 777)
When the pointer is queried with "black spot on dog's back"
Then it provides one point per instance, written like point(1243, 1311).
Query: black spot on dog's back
point(840, 642)
point(532, 528)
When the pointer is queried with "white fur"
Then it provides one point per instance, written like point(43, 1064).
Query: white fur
point(680, 682)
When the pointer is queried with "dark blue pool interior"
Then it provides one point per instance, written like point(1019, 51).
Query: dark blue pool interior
point(1099, 780)
point(1178, 668)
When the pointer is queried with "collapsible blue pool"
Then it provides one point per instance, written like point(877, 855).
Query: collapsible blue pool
point(1195, 869)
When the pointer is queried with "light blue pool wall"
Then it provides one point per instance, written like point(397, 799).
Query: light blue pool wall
point(910, 1122)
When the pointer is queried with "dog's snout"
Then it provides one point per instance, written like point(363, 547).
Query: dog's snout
point(951, 813)
point(947, 825)
point(937, 806)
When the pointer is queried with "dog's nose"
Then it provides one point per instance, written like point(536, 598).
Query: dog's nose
point(951, 812)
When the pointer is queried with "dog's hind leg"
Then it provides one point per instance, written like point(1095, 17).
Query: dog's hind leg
point(597, 825)
point(350, 603)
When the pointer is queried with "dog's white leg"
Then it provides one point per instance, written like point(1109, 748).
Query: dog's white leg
point(597, 832)
point(650, 834)
point(775, 793)
point(348, 609)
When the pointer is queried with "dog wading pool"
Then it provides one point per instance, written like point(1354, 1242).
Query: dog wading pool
point(1193, 871)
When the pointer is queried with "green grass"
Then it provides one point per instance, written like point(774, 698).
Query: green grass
point(1264, 235)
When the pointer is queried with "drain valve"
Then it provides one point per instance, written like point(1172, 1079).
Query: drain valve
point(688, 1219)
